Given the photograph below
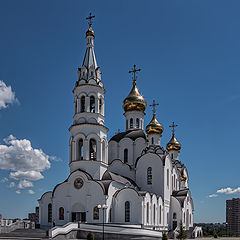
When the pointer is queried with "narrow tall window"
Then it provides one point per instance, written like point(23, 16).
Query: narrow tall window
point(92, 104)
point(152, 140)
point(96, 213)
point(103, 151)
point(167, 218)
point(172, 182)
point(61, 213)
point(160, 214)
point(184, 218)
point(154, 214)
point(131, 123)
point(49, 212)
point(137, 123)
point(125, 155)
point(83, 104)
point(80, 148)
point(100, 106)
point(168, 178)
point(149, 176)
point(126, 124)
point(76, 106)
point(174, 216)
point(127, 211)
point(147, 212)
point(190, 218)
point(92, 149)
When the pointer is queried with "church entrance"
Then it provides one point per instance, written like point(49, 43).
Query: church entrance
point(174, 224)
point(78, 216)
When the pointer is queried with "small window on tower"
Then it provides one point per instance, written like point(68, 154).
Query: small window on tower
point(93, 149)
point(92, 104)
point(125, 155)
point(149, 176)
point(100, 106)
point(137, 123)
point(83, 104)
point(131, 123)
point(152, 140)
point(126, 124)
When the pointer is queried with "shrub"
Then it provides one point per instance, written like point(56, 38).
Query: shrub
point(215, 235)
point(164, 237)
point(90, 236)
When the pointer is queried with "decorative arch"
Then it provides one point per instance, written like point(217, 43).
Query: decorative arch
point(92, 104)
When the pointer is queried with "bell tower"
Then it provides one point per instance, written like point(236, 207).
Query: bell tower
point(88, 144)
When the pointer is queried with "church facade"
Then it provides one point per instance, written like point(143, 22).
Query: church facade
point(130, 179)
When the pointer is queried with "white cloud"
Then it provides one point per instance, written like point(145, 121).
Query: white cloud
point(31, 191)
point(25, 184)
point(213, 195)
point(7, 96)
point(229, 190)
point(18, 192)
point(3, 180)
point(12, 184)
point(29, 175)
point(19, 156)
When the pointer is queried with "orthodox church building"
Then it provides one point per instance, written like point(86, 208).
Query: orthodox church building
point(129, 180)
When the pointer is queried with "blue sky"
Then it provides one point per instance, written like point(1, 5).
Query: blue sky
point(190, 55)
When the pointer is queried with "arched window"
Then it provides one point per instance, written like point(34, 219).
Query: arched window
point(92, 104)
point(141, 124)
point(131, 123)
point(100, 106)
point(49, 212)
point(147, 212)
point(83, 104)
point(160, 214)
point(137, 123)
point(149, 175)
point(184, 218)
point(76, 106)
point(168, 178)
point(174, 215)
point(127, 211)
point(172, 182)
point(190, 218)
point(103, 151)
point(167, 218)
point(125, 155)
point(61, 213)
point(96, 213)
point(154, 214)
point(92, 149)
point(126, 124)
point(152, 140)
point(172, 155)
point(80, 148)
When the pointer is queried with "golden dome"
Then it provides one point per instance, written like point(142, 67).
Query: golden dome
point(173, 144)
point(90, 32)
point(134, 101)
point(154, 126)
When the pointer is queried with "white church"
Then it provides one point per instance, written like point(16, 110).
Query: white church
point(131, 179)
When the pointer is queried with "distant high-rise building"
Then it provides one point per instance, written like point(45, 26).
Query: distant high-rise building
point(233, 216)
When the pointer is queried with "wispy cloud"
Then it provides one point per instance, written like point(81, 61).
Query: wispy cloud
point(7, 96)
point(25, 184)
point(31, 191)
point(3, 180)
point(229, 190)
point(213, 195)
point(18, 192)
point(12, 184)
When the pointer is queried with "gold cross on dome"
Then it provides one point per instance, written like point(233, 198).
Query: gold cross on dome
point(173, 127)
point(134, 70)
point(89, 18)
point(153, 105)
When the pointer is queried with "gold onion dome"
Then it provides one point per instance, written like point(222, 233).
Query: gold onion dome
point(154, 126)
point(173, 144)
point(134, 101)
point(90, 32)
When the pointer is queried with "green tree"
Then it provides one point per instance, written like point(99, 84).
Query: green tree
point(182, 234)
point(90, 236)
point(164, 237)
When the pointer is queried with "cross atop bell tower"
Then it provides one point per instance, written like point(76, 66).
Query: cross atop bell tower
point(134, 71)
point(89, 18)
point(153, 105)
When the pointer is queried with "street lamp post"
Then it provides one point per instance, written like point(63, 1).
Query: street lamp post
point(103, 207)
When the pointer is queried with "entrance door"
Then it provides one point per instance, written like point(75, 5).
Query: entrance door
point(174, 224)
point(78, 216)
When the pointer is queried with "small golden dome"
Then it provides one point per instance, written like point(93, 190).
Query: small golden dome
point(134, 101)
point(154, 126)
point(90, 32)
point(183, 177)
point(173, 144)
